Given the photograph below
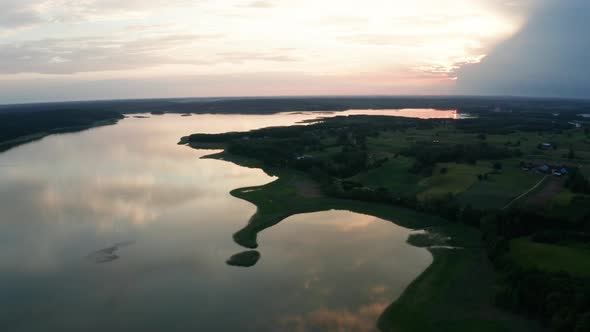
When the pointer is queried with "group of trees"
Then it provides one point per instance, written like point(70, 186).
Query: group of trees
point(273, 153)
point(427, 155)
point(577, 183)
point(298, 146)
point(16, 124)
point(560, 300)
point(510, 122)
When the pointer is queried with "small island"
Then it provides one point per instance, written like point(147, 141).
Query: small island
point(244, 259)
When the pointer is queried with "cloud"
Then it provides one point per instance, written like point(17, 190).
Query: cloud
point(548, 57)
point(258, 4)
point(99, 10)
point(18, 14)
point(224, 84)
point(148, 27)
point(89, 54)
point(111, 40)
point(324, 319)
point(241, 57)
point(23, 13)
point(137, 199)
point(341, 21)
point(97, 53)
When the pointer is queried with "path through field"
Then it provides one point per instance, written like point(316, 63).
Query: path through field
point(526, 193)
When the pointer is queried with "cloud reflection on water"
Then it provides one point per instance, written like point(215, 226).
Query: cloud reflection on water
point(329, 320)
point(73, 194)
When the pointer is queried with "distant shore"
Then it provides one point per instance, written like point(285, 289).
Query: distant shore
point(18, 128)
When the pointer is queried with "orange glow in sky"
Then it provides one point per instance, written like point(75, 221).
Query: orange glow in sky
point(235, 47)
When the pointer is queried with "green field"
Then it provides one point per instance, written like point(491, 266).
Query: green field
point(280, 199)
point(499, 189)
point(574, 260)
point(393, 175)
point(454, 294)
point(457, 179)
point(493, 193)
point(562, 200)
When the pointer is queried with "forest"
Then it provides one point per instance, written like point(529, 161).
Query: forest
point(22, 126)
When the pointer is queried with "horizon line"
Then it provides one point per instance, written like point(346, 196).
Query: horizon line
point(425, 96)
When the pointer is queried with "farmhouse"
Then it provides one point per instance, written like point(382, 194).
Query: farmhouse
point(546, 146)
point(559, 171)
point(545, 167)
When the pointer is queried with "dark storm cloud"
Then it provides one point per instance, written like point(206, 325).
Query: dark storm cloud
point(550, 56)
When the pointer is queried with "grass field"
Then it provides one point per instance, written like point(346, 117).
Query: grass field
point(461, 179)
point(499, 189)
point(390, 142)
point(549, 257)
point(457, 179)
point(393, 175)
point(279, 200)
point(454, 294)
point(561, 200)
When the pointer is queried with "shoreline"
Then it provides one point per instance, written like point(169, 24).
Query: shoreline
point(22, 140)
point(454, 292)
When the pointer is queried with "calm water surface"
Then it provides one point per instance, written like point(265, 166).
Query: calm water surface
point(410, 113)
point(119, 229)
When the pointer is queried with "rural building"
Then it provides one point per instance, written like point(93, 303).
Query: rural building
point(546, 146)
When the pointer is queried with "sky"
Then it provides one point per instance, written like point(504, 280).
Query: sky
point(548, 57)
point(54, 50)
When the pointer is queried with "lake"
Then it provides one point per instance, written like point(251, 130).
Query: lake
point(118, 228)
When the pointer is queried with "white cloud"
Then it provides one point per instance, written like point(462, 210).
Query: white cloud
point(88, 54)
point(234, 37)
point(100, 10)
point(18, 13)
point(258, 4)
